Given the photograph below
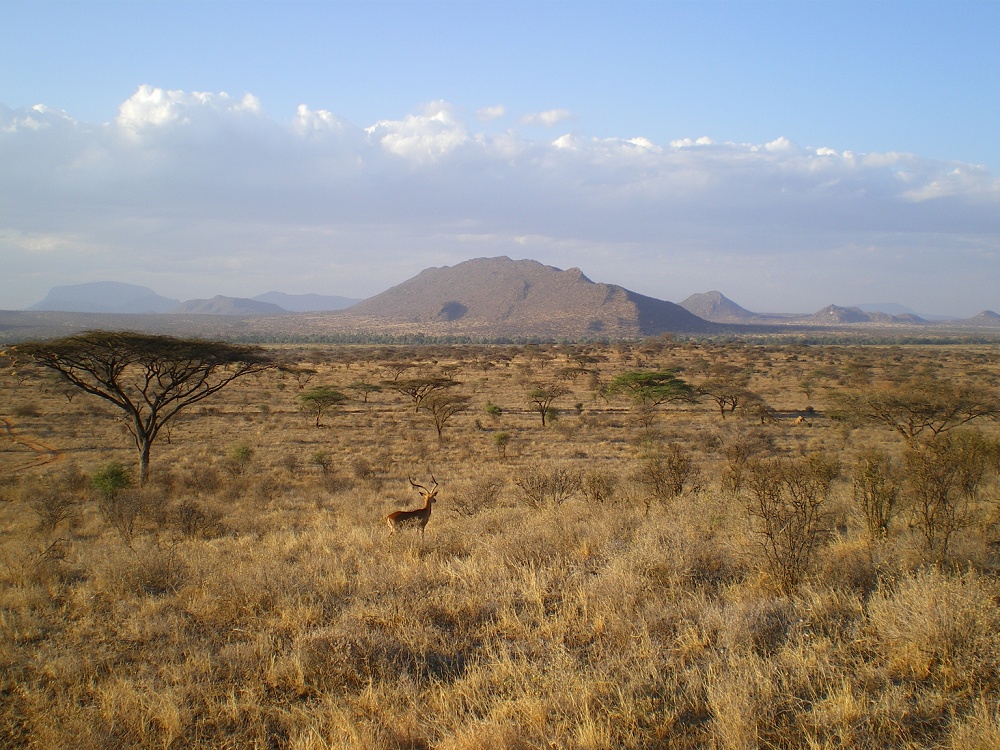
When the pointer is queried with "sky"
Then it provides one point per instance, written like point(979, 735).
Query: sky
point(791, 155)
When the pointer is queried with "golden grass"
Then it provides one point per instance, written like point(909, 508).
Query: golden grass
point(265, 608)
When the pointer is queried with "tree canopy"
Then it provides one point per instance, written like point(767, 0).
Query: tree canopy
point(921, 405)
point(651, 388)
point(149, 377)
point(319, 399)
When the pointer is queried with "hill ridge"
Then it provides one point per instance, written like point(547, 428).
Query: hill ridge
point(504, 297)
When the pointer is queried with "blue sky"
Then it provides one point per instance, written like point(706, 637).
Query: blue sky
point(790, 155)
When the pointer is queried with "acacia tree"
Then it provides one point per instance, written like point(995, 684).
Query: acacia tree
point(652, 388)
point(921, 405)
point(541, 398)
point(727, 385)
point(442, 406)
point(319, 399)
point(149, 377)
point(419, 388)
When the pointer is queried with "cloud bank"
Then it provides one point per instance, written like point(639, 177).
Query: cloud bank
point(197, 193)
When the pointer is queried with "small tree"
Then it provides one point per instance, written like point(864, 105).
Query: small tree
point(118, 507)
point(443, 406)
point(364, 390)
point(786, 503)
point(727, 385)
point(150, 378)
point(666, 471)
point(944, 477)
point(321, 399)
point(876, 491)
point(323, 460)
point(541, 398)
point(501, 440)
point(239, 458)
point(539, 486)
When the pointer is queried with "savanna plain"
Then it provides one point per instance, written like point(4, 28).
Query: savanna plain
point(763, 546)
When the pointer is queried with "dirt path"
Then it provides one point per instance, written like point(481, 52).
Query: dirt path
point(44, 454)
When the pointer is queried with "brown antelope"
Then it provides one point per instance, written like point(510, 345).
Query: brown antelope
point(419, 517)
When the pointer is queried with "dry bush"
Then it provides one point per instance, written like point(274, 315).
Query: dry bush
point(479, 494)
point(53, 500)
point(876, 491)
point(599, 485)
point(739, 447)
point(665, 471)
point(539, 486)
point(786, 501)
point(944, 479)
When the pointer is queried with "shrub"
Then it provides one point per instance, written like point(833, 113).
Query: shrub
point(50, 503)
point(482, 493)
point(599, 485)
point(119, 506)
point(494, 411)
point(501, 440)
point(876, 491)
point(665, 472)
point(538, 486)
point(239, 458)
point(943, 481)
point(786, 502)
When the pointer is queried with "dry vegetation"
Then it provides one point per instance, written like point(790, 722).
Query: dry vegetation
point(624, 577)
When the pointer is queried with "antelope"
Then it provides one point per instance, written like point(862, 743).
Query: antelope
point(419, 517)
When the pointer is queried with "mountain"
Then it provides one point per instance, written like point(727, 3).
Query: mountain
point(105, 297)
point(501, 297)
point(985, 318)
point(220, 305)
point(306, 302)
point(835, 315)
point(890, 308)
point(716, 307)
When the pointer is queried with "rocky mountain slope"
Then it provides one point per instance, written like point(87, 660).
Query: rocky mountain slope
point(504, 297)
point(716, 307)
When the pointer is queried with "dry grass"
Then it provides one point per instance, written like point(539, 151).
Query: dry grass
point(260, 605)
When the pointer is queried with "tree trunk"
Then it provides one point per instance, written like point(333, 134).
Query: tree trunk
point(144, 447)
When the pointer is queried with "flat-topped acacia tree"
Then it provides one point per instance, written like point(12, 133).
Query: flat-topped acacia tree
point(149, 377)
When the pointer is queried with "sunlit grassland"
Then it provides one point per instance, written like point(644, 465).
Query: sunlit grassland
point(257, 602)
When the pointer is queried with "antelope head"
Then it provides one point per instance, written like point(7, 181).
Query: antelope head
point(430, 495)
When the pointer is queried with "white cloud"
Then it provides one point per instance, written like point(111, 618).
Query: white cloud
point(206, 188)
point(488, 114)
point(549, 118)
point(151, 107)
point(422, 137)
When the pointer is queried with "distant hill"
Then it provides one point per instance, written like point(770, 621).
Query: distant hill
point(838, 315)
point(985, 318)
point(306, 302)
point(890, 308)
point(220, 305)
point(517, 298)
point(105, 297)
point(716, 307)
